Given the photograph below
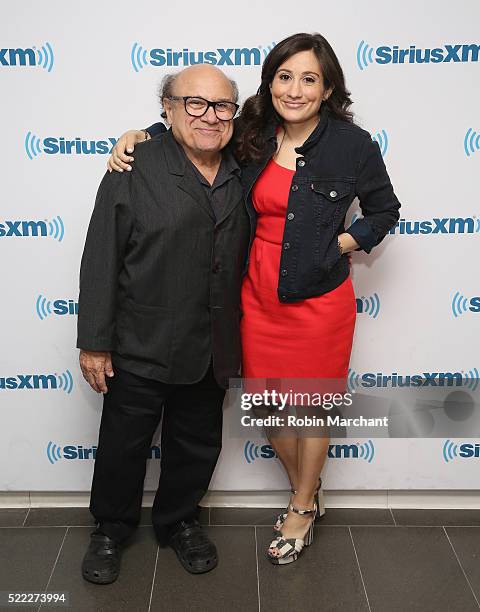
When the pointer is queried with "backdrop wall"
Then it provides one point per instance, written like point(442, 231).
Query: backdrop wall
point(75, 76)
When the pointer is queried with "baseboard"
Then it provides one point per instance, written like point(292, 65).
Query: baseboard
point(266, 499)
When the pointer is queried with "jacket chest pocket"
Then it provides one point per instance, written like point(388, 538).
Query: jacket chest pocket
point(331, 200)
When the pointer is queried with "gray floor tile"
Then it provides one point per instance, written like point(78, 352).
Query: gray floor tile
point(357, 516)
point(410, 569)
point(231, 586)
point(131, 592)
point(81, 517)
point(333, 516)
point(436, 517)
point(12, 517)
point(244, 516)
point(59, 517)
point(325, 577)
point(27, 557)
point(466, 542)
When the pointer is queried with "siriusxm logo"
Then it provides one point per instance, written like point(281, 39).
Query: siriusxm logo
point(382, 139)
point(55, 452)
point(365, 450)
point(254, 451)
point(436, 225)
point(466, 450)
point(33, 229)
point(368, 305)
point(53, 145)
point(44, 308)
point(46, 382)
point(461, 304)
point(412, 55)
point(471, 142)
point(244, 56)
point(447, 225)
point(426, 379)
point(28, 56)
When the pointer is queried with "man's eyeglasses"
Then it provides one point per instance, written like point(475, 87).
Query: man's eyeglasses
point(197, 107)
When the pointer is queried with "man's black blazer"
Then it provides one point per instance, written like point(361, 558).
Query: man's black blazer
point(160, 276)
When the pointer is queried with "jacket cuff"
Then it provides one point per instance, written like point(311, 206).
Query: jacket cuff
point(156, 129)
point(363, 234)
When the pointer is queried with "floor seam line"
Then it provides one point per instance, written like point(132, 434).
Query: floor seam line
point(359, 569)
point(26, 516)
point(258, 573)
point(461, 566)
point(153, 579)
point(56, 561)
point(393, 517)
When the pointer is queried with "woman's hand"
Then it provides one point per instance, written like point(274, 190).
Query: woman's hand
point(347, 243)
point(119, 159)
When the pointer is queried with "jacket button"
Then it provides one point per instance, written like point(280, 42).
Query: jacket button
point(216, 268)
point(301, 163)
point(290, 216)
point(284, 273)
point(286, 246)
point(294, 187)
point(333, 194)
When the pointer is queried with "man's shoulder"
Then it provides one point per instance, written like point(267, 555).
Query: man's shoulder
point(152, 151)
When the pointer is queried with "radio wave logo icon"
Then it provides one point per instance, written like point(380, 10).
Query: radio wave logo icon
point(138, 57)
point(54, 452)
point(450, 451)
point(65, 381)
point(367, 451)
point(32, 145)
point(266, 50)
point(353, 380)
point(471, 379)
point(251, 451)
point(370, 305)
point(45, 57)
point(459, 304)
point(254, 451)
point(382, 139)
point(56, 228)
point(471, 142)
point(43, 307)
point(364, 55)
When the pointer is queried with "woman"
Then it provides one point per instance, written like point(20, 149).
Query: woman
point(303, 162)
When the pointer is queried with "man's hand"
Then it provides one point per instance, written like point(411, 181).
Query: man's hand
point(119, 160)
point(94, 366)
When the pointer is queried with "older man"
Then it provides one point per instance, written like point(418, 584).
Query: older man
point(158, 320)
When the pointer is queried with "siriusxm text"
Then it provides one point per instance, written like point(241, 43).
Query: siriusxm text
point(414, 55)
point(218, 57)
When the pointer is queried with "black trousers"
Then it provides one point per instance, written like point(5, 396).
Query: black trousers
point(191, 441)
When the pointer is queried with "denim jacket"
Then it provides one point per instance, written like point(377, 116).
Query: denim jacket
point(337, 163)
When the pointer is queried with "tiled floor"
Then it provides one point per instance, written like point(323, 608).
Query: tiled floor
point(380, 560)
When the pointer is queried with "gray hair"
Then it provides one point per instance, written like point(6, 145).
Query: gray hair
point(166, 90)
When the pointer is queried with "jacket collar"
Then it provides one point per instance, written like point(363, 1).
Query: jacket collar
point(174, 154)
point(176, 161)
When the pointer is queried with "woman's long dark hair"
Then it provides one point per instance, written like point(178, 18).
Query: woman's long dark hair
point(258, 110)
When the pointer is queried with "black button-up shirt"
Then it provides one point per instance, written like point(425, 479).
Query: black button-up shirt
point(218, 192)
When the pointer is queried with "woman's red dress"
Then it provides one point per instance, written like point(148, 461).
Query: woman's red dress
point(307, 339)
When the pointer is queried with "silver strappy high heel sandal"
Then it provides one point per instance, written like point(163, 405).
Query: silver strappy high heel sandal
point(319, 501)
point(290, 548)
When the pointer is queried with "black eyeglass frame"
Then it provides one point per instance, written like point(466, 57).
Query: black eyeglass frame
point(209, 104)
